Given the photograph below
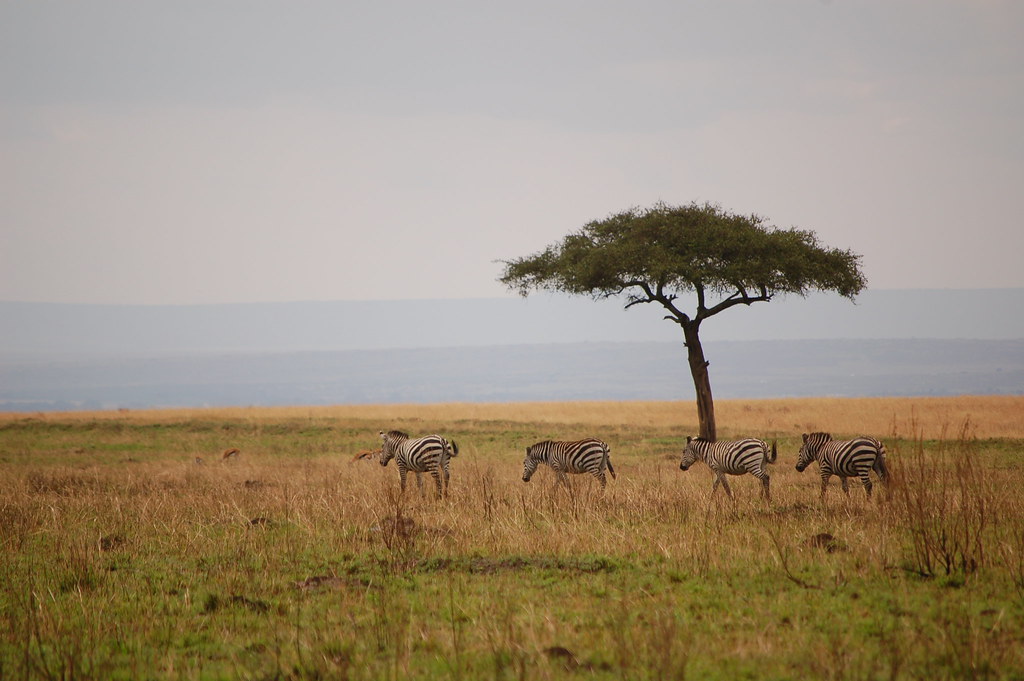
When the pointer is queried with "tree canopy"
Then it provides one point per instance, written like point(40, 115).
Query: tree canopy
point(658, 253)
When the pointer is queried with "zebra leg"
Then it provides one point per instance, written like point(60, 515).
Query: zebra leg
point(437, 473)
point(401, 476)
point(846, 485)
point(866, 481)
point(765, 485)
point(599, 474)
point(562, 478)
point(419, 483)
point(824, 484)
point(725, 484)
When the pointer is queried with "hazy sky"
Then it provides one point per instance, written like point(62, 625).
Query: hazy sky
point(192, 152)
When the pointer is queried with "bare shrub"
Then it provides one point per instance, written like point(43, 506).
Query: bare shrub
point(943, 499)
point(396, 529)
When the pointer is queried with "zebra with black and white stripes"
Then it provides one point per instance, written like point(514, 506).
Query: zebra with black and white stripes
point(428, 454)
point(581, 456)
point(731, 457)
point(845, 458)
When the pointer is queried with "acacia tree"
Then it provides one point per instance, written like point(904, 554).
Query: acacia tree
point(656, 254)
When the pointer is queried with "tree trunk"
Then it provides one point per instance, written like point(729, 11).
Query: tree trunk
point(701, 381)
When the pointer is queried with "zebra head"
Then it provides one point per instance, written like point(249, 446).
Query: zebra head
point(531, 462)
point(389, 444)
point(693, 451)
point(809, 450)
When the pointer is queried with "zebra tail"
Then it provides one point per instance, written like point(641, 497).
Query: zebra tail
point(608, 461)
point(880, 466)
point(775, 453)
point(454, 448)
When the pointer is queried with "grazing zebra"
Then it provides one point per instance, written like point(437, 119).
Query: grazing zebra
point(845, 458)
point(732, 457)
point(583, 456)
point(429, 454)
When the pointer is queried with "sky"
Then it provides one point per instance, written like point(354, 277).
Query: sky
point(250, 151)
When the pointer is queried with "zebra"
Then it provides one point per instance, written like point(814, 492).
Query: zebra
point(732, 457)
point(845, 458)
point(582, 456)
point(429, 454)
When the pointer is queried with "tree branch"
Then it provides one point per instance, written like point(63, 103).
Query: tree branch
point(642, 285)
point(701, 307)
point(741, 297)
point(656, 296)
point(785, 563)
point(667, 301)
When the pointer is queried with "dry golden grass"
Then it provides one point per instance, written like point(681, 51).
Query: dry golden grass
point(122, 557)
point(905, 417)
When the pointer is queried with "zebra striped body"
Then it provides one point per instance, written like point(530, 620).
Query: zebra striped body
point(429, 454)
point(731, 457)
point(583, 456)
point(845, 458)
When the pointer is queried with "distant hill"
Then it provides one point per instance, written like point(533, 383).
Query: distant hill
point(570, 371)
point(541, 348)
point(56, 330)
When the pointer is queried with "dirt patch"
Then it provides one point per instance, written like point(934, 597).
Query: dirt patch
point(486, 566)
point(320, 582)
point(827, 542)
point(111, 542)
point(571, 662)
point(214, 602)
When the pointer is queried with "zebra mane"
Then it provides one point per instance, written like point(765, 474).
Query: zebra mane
point(539, 451)
point(398, 434)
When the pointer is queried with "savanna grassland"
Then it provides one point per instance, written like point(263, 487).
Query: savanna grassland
point(123, 556)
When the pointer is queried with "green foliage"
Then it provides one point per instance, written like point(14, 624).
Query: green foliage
point(657, 253)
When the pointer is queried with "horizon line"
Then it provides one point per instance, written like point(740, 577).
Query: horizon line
point(309, 301)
